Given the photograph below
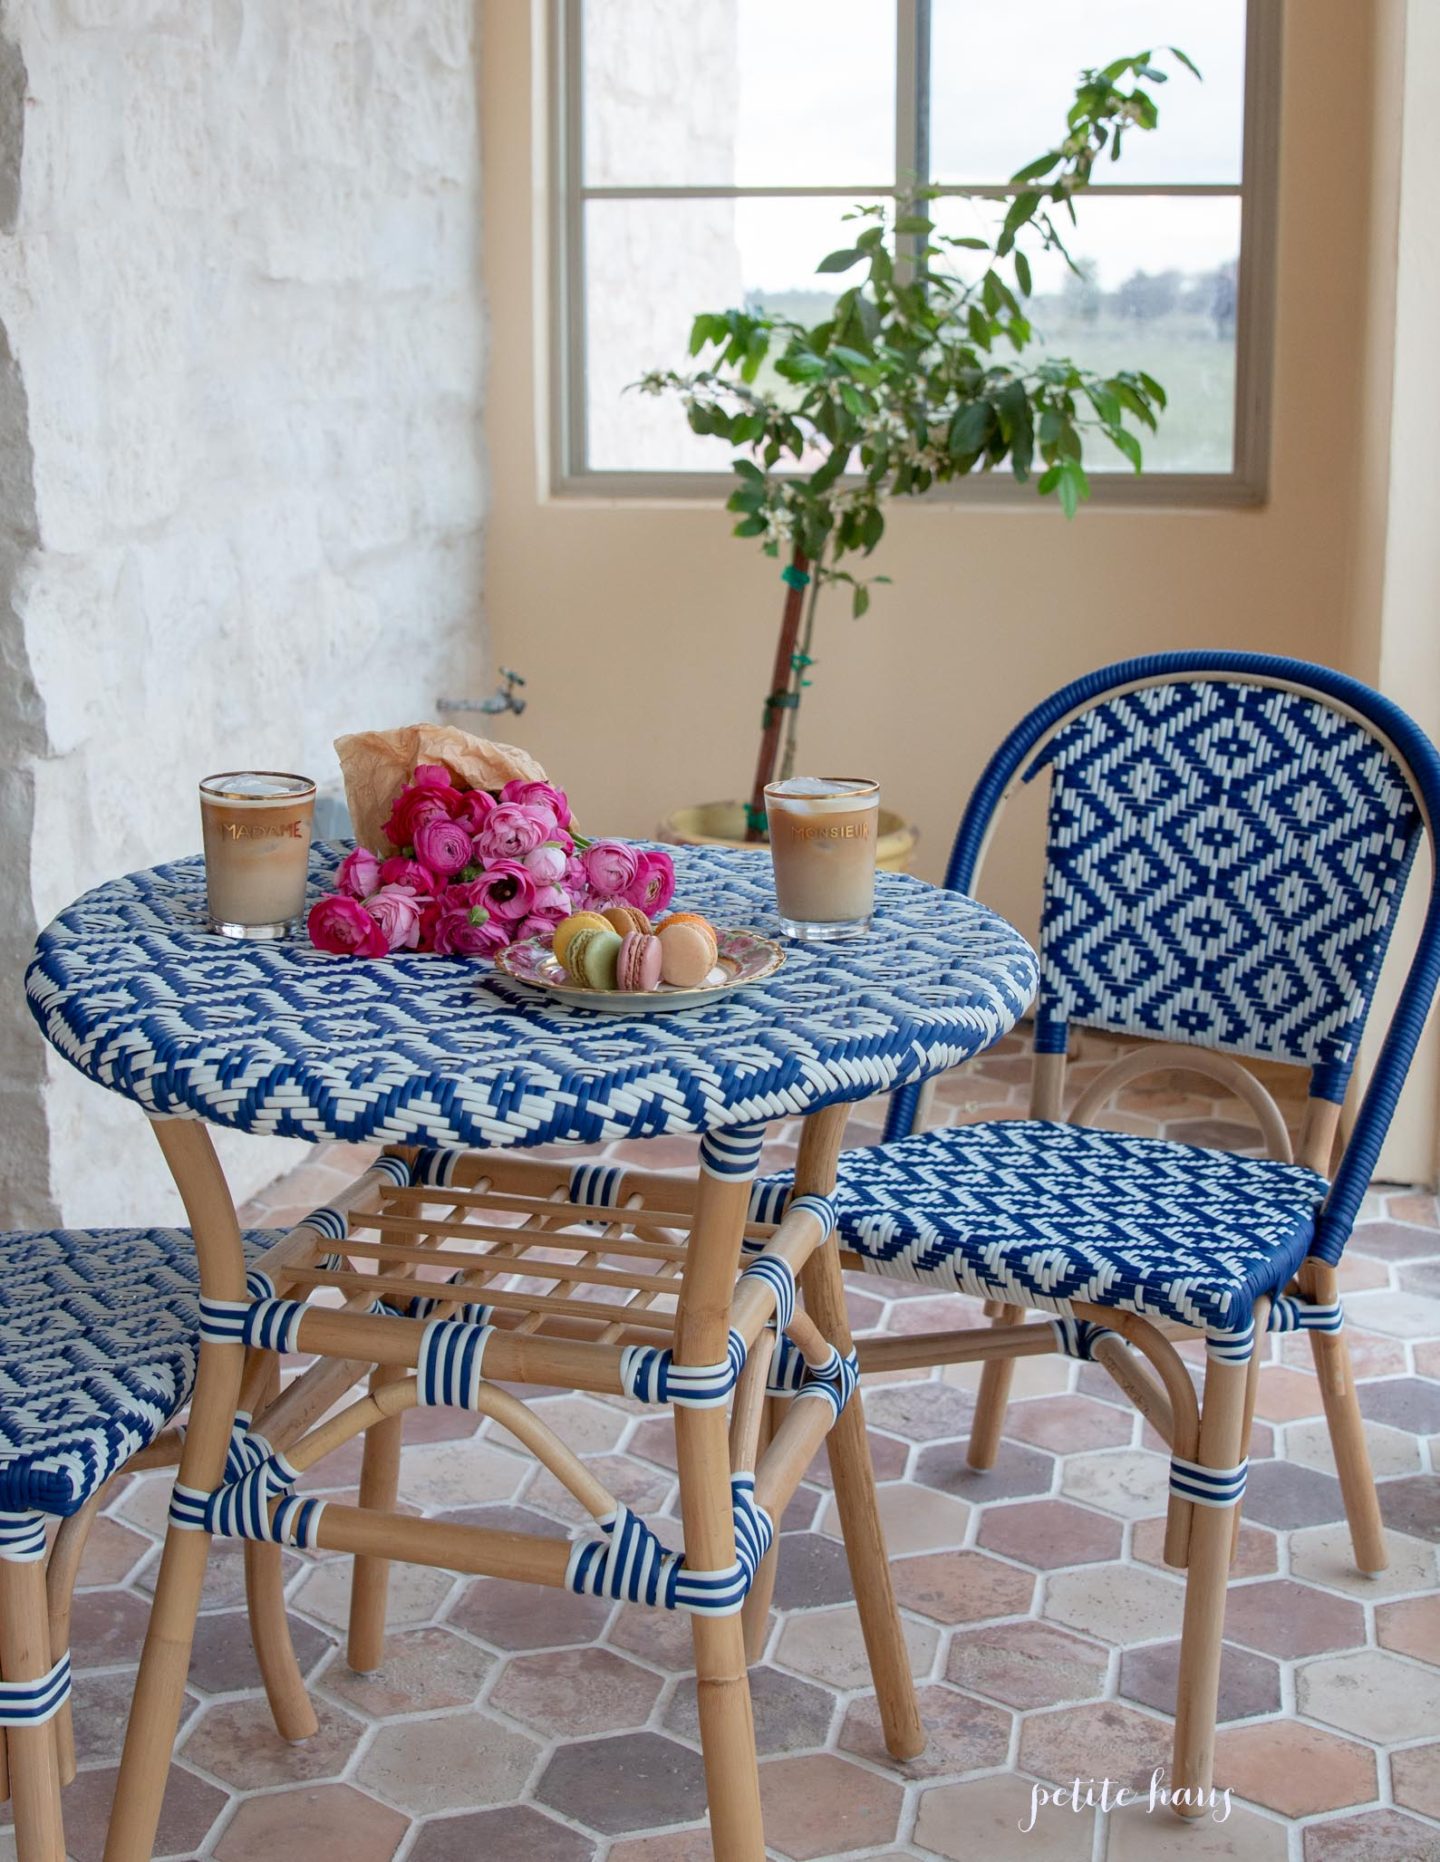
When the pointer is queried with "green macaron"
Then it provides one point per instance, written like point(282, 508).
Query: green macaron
point(591, 957)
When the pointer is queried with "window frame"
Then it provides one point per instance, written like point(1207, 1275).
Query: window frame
point(1247, 483)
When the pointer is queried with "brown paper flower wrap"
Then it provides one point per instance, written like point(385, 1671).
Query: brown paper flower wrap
point(376, 765)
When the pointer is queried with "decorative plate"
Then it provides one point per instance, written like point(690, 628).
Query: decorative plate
point(744, 957)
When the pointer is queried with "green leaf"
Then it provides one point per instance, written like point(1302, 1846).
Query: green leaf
point(1022, 272)
point(840, 261)
point(860, 601)
point(1040, 166)
point(1148, 382)
point(970, 428)
point(1189, 63)
point(1123, 438)
point(750, 527)
point(914, 223)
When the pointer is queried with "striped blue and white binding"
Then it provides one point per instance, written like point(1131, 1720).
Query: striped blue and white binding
point(598, 1186)
point(1206, 1486)
point(1077, 1338)
point(774, 1271)
point(629, 1563)
point(1288, 1314)
point(650, 1374)
point(22, 1537)
point(732, 1153)
point(835, 1380)
point(32, 1703)
point(452, 1356)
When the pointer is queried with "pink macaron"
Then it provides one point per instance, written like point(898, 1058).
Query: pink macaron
point(638, 965)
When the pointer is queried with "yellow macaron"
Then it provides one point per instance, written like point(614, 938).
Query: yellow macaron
point(568, 927)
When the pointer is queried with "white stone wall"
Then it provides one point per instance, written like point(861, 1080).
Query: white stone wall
point(239, 449)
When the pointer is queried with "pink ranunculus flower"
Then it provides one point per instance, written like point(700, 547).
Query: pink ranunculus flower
point(610, 867)
point(414, 807)
point(358, 873)
point(544, 793)
point(536, 926)
point(505, 889)
point(433, 776)
point(398, 871)
point(396, 909)
point(513, 831)
point(553, 902)
point(442, 845)
point(469, 931)
point(343, 927)
point(476, 808)
point(546, 863)
point(653, 886)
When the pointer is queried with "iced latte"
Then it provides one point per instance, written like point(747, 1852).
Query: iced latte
point(256, 824)
point(822, 839)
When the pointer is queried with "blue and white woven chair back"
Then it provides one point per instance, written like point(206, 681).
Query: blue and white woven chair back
point(1224, 863)
point(1229, 835)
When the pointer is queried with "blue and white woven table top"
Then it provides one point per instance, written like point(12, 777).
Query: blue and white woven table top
point(440, 1051)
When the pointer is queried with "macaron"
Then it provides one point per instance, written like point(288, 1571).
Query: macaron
point(569, 927)
point(638, 964)
point(687, 951)
point(590, 956)
point(685, 918)
point(626, 918)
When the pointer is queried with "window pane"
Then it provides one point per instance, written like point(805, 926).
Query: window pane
point(1001, 82)
point(1158, 294)
point(750, 93)
point(650, 267)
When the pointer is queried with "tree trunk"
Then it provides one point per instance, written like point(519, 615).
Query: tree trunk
point(780, 698)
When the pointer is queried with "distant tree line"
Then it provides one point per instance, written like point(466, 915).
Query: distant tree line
point(1145, 297)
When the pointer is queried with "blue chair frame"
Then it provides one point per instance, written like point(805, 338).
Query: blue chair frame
point(1204, 1515)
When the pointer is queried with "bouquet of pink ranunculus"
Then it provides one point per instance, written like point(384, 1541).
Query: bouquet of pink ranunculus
point(476, 871)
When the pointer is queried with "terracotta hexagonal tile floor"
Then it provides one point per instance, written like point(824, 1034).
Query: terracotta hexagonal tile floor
point(514, 1722)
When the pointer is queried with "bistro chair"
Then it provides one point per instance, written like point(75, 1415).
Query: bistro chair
point(1228, 839)
point(99, 1334)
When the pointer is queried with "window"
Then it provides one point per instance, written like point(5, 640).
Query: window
point(706, 150)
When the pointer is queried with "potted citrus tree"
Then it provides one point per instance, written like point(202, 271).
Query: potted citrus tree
point(926, 370)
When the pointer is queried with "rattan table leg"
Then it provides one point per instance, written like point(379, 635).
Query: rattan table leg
point(848, 1448)
point(379, 1488)
point(165, 1660)
point(727, 1727)
point(34, 1763)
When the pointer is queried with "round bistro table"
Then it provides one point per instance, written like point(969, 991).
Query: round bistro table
point(659, 1288)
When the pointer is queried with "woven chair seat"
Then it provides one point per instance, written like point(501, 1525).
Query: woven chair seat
point(98, 1344)
point(1041, 1214)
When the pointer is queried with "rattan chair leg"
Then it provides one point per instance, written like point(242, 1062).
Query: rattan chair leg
point(61, 1570)
point(1222, 1422)
point(34, 1765)
point(379, 1488)
point(727, 1727)
point(848, 1449)
point(994, 1399)
point(165, 1660)
point(1331, 1352)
